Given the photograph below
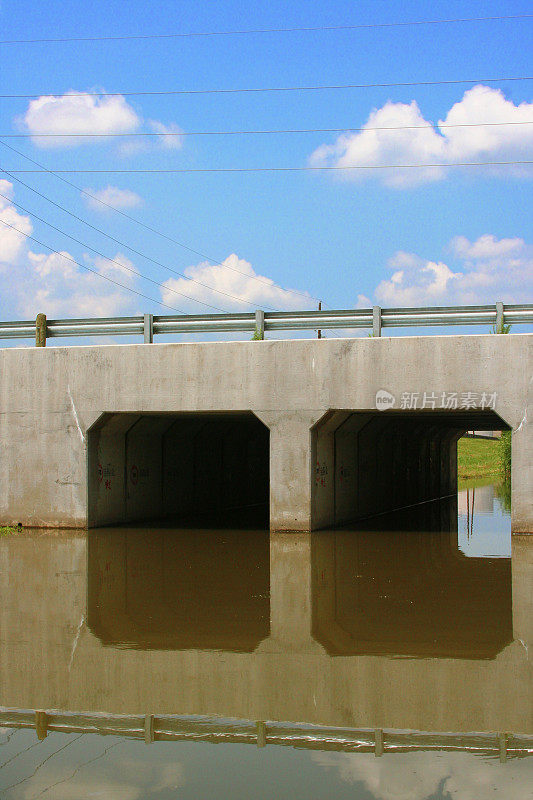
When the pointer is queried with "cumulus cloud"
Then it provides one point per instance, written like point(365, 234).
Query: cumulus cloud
point(167, 134)
point(11, 241)
point(120, 777)
point(490, 269)
point(58, 285)
point(417, 776)
point(235, 277)
point(52, 282)
point(112, 196)
point(419, 142)
point(75, 113)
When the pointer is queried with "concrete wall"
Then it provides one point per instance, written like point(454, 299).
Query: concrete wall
point(294, 387)
point(50, 658)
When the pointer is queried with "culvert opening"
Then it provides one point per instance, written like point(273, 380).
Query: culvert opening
point(187, 470)
point(372, 463)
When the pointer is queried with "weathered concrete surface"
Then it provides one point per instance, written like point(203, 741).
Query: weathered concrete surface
point(50, 398)
point(50, 658)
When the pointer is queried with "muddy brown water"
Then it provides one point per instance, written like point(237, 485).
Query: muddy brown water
point(388, 660)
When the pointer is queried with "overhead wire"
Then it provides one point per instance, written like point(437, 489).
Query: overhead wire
point(150, 228)
point(38, 767)
point(121, 244)
point(178, 134)
point(262, 89)
point(53, 251)
point(184, 170)
point(247, 31)
point(110, 260)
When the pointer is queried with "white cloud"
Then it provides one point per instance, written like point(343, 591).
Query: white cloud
point(167, 134)
point(490, 269)
point(426, 145)
point(112, 196)
point(11, 242)
point(76, 113)
point(235, 277)
point(53, 283)
point(417, 776)
point(120, 776)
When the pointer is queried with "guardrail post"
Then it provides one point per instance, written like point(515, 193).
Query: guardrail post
point(378, 750)
point(40, 330)
point(149, 735)
point(499, 318)
point(376, 321)
point(502, 747)
point(148, 328)
point(261, 734)
point(41, 724)
point(259, 324)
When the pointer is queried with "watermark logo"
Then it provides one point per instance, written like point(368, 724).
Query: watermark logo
point(451, 401)
point(384, 400)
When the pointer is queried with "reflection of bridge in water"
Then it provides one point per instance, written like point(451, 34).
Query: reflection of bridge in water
point(165, 728)
point(361, 630)
point(370, 592)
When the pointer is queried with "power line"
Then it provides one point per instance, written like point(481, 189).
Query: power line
point(261, 89)
point(95, 272)
point(89, 269)
point(78, 768)
point(429, 125)
point(316, 29)
point(121, 244)
point(111, 260)
point(38, 767)
point(266, 169)
point(149, 227)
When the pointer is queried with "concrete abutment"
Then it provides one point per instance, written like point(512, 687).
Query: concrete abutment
point(109, 434)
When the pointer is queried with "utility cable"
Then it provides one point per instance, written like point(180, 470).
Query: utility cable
point(315, 29)
point(38, 767)
point(262, 89)
point(110, 260)
point(200, 170)
point(89, 269)
point(121, 244)
point(149, 227)
point(428, 126)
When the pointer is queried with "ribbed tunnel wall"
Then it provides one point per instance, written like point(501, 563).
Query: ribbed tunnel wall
point(373, 463)
point(189, 467)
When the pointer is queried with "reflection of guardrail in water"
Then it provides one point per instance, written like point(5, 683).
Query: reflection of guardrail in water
point(153, 728)
point(259, 321)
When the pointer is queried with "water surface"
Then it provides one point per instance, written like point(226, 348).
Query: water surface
point(388, 661)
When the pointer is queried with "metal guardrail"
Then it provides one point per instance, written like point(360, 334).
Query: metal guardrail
point(152, 728)
point(374, 319)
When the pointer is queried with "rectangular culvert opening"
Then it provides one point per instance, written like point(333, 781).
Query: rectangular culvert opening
point(188, 470)
point(392, 460)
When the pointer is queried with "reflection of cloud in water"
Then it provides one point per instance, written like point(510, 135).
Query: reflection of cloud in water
point(119, 779)
point(417, 776)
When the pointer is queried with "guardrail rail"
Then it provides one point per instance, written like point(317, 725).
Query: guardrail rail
point(153, 728)
point(374, 319)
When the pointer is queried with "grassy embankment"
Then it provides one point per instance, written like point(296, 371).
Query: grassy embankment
point(7, 530)
point(478, 458)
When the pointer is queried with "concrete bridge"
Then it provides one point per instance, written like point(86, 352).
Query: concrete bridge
point(314, 432)
point(342, 629)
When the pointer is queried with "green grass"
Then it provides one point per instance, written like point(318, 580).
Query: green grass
point(478, 458)
point(8, 530)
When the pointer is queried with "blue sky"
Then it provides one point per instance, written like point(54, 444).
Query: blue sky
point(427, 237)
